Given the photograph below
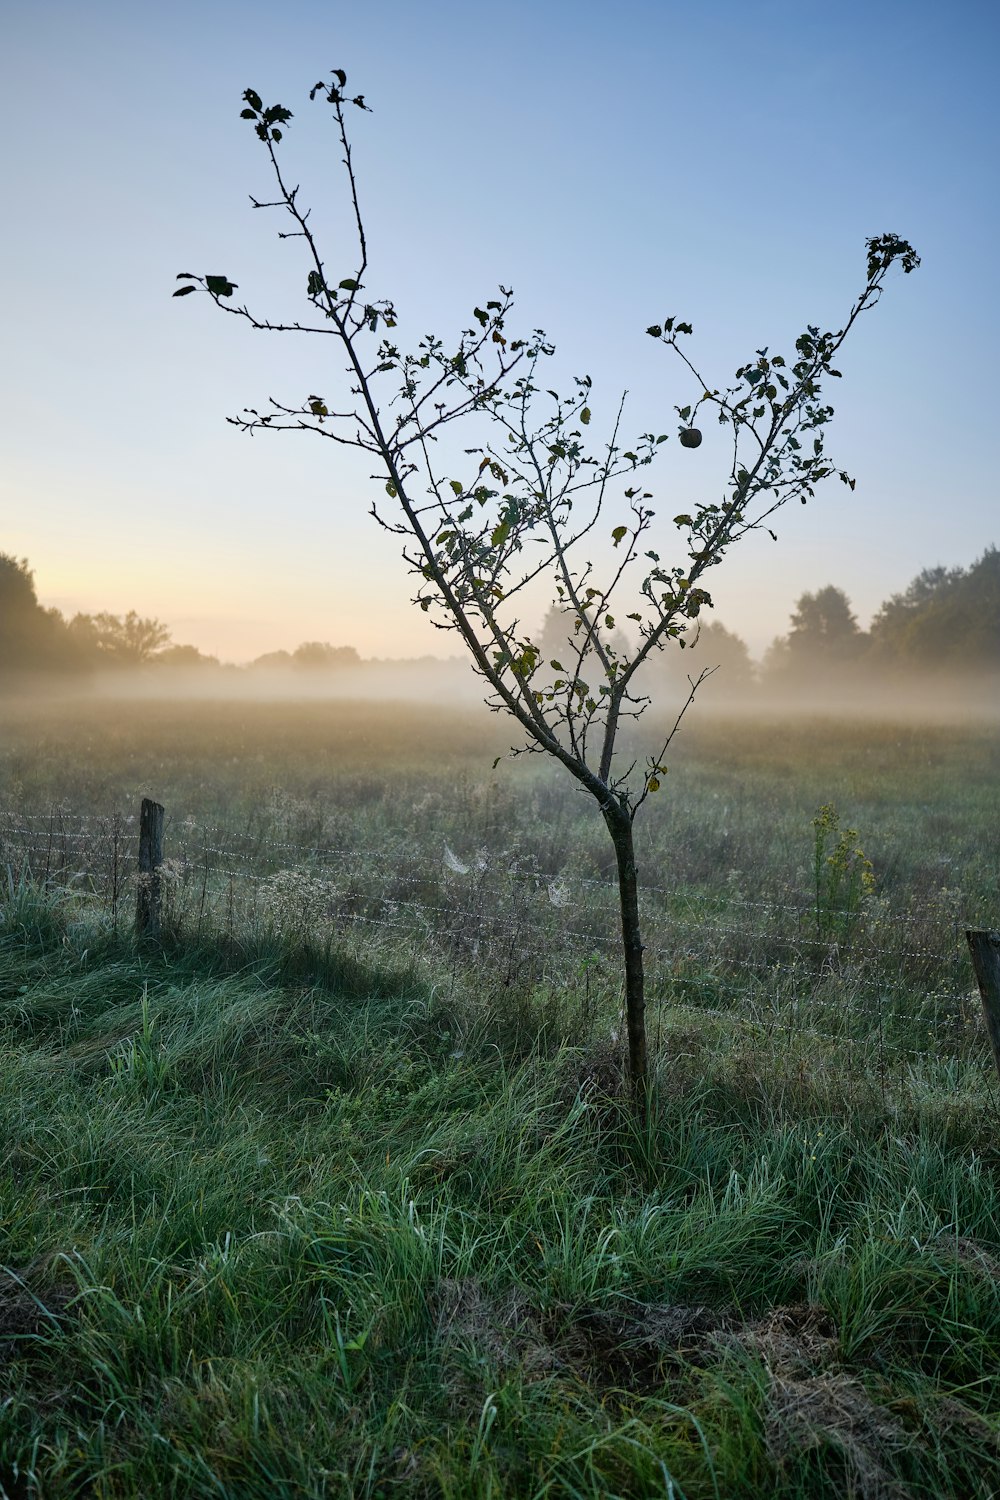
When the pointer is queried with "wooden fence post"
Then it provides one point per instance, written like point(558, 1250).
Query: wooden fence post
point(147, 906)
point(985, 950)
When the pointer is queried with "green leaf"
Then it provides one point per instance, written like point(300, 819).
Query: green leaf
point(220, 286)
point(585, 416)
point(618, 533)
point(348, 284)
point(655, 331)
point(248, 114)
point(254, 100)
point(500, 534)
point(182, 291)
point(341, 77)
point(653, 784)
point(391, 489)
point(276, 135)
point(456, 485)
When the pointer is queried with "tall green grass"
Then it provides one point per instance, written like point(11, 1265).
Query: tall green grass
point(336, 818)
point(327, 1227)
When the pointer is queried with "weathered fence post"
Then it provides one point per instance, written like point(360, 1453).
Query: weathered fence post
point(147, 906)
point(985, 950)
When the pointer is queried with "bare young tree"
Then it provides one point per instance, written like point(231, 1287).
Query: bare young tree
point(522, 500)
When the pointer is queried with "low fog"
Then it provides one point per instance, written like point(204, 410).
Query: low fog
point(931, 697)
point(931, 652)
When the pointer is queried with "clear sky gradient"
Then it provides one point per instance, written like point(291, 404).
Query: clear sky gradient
point(722, 161)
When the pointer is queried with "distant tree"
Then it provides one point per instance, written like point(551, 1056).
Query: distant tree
point(32, 638)
point(271, 661)
point(520, 498)
point(560, 637)
point(321, 655)
point(184, 656)
point(824, 638)
point(723, 651)
point(119, 640)
point(18, 598)
point(824, 629)
point(946, 618)
point(774, 671)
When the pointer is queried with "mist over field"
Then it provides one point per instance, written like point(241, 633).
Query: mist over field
point(915, 699)
point(932, 653)
point(422, 680)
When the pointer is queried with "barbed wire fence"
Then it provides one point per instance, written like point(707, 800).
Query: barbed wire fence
point(894, 982)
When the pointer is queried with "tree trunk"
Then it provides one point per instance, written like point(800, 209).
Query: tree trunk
point(620, 827)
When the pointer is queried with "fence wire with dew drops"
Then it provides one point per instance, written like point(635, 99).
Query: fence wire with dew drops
point(874, 975)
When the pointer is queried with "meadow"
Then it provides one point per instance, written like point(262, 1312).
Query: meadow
point(335, 1190)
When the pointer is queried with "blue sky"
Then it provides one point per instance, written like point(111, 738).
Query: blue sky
point(612, 163)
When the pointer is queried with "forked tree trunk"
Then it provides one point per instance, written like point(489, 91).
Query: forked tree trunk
point(620, 827)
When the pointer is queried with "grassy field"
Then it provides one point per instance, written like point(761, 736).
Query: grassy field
point(335, 1193)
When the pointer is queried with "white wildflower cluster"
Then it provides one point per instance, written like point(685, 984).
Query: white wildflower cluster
point(296, 901)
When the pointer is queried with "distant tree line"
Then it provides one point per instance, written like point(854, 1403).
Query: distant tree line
point(312, 655)
point(36, 641)
point(946, 621)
